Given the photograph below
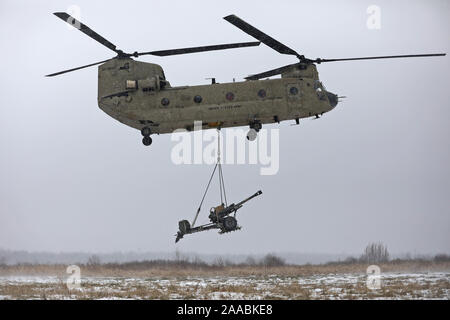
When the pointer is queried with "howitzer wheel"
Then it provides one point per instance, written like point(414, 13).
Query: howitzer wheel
point(229, 223)
point(184, 226)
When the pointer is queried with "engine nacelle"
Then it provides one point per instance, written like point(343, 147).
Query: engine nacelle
point(149, 84)
point(121, 75)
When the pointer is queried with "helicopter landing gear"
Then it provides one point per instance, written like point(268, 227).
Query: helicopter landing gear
point(146, 140)
point(256, 125)
point(254, 129)
point(251, 135)
point(146, 132)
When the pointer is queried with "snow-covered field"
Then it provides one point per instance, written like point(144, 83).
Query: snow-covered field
point(433, 285)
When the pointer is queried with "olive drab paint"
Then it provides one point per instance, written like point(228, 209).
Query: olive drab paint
point(139, 95)
point(152, 102)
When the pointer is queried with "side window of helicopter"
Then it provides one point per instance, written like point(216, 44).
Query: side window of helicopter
point(262, 93)
point(165, 102)
point(293, 91)
point(198, 99)
point(229, 96)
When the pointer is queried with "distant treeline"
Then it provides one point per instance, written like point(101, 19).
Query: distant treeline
point(11, 257)
point(373, 253)
point(269, 260)
point(377, 252)
point(419, 258)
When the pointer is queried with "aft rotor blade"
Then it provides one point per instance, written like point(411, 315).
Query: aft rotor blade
point(172, 52)
point(261, 36)
point(78, 68)
point(270, 73)
point(86, 30)
point(319, 60)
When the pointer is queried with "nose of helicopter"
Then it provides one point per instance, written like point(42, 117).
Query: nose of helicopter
point(333, 98)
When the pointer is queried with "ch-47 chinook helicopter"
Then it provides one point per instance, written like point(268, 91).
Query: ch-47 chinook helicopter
point(138, 94)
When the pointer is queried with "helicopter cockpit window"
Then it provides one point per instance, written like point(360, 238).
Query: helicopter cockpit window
point(317, 85)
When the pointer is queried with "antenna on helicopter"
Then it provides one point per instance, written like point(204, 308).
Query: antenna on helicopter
point(213, 80)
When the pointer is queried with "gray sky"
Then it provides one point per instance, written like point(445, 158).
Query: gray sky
point(374, 169)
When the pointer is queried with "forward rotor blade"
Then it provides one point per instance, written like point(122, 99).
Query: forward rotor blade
point(78, 68)
point(172, 52)
point(319, 60)
point(270, 73)
point(261, 36)
point(86, 30)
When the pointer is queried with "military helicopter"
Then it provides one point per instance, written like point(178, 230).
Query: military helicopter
point(139, 95)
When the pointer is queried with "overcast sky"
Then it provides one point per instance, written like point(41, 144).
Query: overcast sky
point(374, 169)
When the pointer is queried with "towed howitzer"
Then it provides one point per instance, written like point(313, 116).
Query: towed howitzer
point(220, 218)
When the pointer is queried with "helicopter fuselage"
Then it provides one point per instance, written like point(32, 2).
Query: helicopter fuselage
point(138, 95)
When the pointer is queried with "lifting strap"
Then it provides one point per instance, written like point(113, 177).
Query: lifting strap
point(223, 195)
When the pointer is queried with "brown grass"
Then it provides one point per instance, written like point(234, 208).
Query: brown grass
point(282, 282)
point(139, 270)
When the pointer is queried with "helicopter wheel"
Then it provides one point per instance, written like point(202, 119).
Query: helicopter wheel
point(251, 135)
point(147, 141)
point(146, 131)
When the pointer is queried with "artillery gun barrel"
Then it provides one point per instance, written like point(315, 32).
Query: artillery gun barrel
point(239, 204)
point(231, 208)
